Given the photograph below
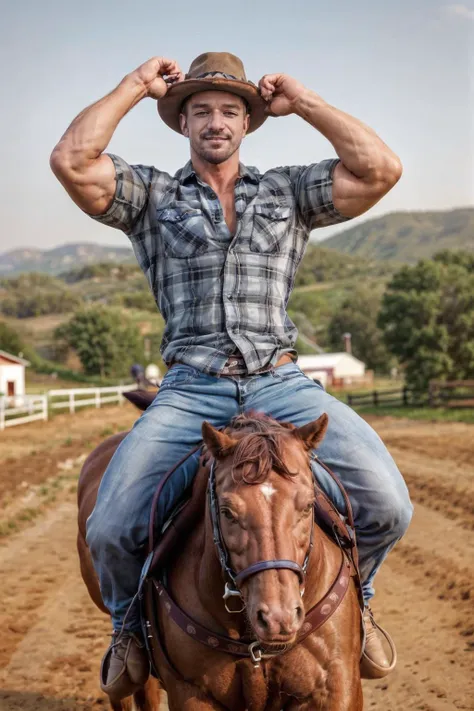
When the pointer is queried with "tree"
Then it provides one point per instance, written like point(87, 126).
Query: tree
point(358, 316)
point(10, 341)
point(427, 317)
point(34, 294)
point(106, 340)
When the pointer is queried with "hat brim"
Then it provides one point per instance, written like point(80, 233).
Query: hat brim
point(169, 107)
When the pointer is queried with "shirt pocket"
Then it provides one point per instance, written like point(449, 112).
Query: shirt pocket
point(271, 224)
point(183, 230)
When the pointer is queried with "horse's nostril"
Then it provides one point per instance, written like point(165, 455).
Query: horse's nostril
point(299, 614)
point(261, 619)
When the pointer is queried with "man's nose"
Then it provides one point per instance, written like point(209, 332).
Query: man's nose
point(216, 121)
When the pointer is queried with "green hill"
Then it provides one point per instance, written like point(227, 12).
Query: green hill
point(407, 236)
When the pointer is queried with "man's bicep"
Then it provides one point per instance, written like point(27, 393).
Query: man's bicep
point(313, 190)
point(93, 188)
point(129, 197)
point(352, 196)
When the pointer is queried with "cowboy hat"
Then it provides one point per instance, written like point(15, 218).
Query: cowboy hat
point(213, 71)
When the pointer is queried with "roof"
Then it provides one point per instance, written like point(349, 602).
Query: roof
point(14, 358)
point(325, 360)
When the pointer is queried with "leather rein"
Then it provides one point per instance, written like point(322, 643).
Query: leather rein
point(314, 619)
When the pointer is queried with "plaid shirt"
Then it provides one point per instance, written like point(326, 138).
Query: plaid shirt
point(219, 294)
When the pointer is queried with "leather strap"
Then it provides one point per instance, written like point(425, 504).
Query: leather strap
point(315, 618)
point(159, 489)
point(241, 577)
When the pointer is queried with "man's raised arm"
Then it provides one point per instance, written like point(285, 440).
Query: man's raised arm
point(78, 161)
point(368, 168)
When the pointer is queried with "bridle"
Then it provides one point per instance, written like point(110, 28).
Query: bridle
point(237, 579)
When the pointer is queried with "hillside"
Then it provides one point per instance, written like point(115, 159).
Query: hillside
point(60, 259)
point(407, 236)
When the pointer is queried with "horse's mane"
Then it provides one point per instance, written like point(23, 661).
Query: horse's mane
point(259, 452)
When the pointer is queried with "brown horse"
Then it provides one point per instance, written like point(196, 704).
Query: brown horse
point(263, 494)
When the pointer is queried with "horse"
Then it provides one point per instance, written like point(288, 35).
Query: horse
point(258, 519)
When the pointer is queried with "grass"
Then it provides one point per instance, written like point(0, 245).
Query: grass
point(426, 414)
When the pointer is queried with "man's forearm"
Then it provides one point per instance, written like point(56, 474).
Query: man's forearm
point(91, 131)
point(361, 151)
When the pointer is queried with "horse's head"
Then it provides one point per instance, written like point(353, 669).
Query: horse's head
point(264, 495)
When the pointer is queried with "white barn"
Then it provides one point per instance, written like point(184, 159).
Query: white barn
point(12, 375)
point(336, 369)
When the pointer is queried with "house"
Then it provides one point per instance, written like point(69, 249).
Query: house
point(333, 369)
point(12, 375)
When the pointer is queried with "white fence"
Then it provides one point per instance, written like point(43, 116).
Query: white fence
point(27, 408)
point(80, 397)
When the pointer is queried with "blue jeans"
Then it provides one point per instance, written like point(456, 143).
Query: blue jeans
point(171, 426)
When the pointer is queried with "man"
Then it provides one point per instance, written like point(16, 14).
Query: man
point(220, 244)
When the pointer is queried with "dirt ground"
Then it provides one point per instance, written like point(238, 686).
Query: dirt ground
point(52, 637)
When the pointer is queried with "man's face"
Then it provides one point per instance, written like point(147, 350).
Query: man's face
point(215, 123)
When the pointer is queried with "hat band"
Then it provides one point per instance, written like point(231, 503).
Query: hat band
point(221, 75)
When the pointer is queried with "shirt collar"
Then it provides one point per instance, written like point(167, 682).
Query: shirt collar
point(188, 172)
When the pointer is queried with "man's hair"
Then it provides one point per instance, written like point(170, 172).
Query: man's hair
point(185, 103)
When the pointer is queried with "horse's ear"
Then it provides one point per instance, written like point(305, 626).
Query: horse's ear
point(218, 443)
point(313, 433)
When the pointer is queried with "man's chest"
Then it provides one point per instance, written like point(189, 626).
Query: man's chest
point(191, 222)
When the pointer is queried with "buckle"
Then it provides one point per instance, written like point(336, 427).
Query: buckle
point(255, 653)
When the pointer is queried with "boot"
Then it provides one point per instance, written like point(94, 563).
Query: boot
point(125, 667)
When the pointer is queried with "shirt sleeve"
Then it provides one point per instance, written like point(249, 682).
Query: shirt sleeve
point(131, 195)
point(312, 187)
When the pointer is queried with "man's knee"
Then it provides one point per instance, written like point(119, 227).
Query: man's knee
point(390, 512)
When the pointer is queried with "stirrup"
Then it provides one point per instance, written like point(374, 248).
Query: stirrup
point(369, 669)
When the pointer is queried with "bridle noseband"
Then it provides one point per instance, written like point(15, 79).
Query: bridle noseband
point(239, 578)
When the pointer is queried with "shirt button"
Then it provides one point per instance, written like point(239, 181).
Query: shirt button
point(230, 296)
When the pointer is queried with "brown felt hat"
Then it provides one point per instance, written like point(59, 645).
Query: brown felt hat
point(213, 71)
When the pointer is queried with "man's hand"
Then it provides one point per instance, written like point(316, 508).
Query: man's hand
point(150, 76)
point(280, 91)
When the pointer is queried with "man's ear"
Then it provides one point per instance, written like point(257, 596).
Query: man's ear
point(246, 124)
point(183, 123)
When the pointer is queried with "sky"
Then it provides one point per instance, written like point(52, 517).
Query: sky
point(404, 67)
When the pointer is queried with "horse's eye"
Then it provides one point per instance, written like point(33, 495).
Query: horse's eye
point(308, 510)
point(228, 515)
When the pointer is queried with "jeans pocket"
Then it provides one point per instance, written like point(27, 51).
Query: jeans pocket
point(179, 375)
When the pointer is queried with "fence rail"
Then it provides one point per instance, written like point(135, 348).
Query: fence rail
point(81, 397)
point(451, 394)
point(401, 397)
point(26, 408)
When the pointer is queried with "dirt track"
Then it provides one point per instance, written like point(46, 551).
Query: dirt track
point(52, 637)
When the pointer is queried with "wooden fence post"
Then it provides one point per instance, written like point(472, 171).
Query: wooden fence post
point(71, 402)
point(375, 397)
point(349, 400)
point(405, 395)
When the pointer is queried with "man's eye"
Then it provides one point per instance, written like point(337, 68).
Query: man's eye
point(230, 113)
point(200, 113)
